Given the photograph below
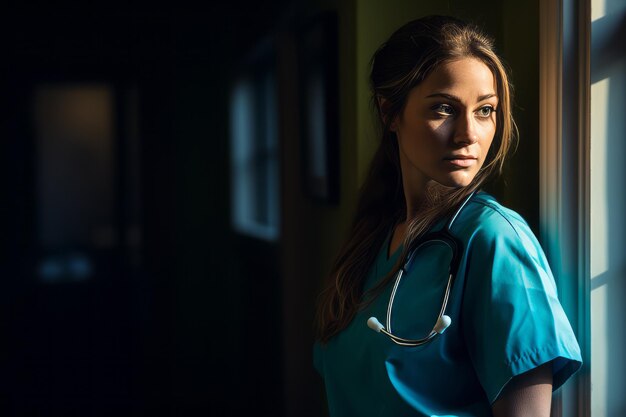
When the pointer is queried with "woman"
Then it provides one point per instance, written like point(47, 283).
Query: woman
point(443, 99)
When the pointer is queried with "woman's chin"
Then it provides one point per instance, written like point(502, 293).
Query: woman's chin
point(457, 180)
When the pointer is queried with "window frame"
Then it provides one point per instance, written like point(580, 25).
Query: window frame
point(565, 29)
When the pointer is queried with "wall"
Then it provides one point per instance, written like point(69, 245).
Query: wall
point(311, 231)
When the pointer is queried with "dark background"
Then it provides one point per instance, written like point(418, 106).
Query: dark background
point(192, 327)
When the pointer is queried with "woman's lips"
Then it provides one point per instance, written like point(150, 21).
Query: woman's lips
point(461, 162)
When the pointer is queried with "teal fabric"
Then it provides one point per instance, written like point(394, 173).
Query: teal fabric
point(506, 320)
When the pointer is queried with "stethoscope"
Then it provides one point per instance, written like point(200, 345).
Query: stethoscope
point(443, 321)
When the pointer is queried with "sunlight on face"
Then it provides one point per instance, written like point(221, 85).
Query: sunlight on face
point(447, 125)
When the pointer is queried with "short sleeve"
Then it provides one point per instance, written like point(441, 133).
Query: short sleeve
point(512, 319)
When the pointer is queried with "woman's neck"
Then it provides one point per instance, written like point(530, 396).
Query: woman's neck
point(415, 185)
point(416, 201)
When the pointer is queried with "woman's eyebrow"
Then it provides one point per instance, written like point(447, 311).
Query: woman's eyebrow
point(444, 95)
point(455, 98)
point(486, 96)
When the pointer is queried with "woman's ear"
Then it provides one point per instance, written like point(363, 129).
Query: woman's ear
point(383, 107)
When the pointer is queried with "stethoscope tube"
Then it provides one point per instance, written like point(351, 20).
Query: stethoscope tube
point(443, 321)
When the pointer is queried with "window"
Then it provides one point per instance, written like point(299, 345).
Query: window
point(607, 206)
point(583, 86)
point(255, 193)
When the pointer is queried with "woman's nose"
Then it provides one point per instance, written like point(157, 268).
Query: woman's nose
point(465, 130)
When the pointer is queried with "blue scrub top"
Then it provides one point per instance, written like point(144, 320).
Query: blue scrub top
point(506, 320)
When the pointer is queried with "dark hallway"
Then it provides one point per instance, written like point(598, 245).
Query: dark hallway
point(121, 291)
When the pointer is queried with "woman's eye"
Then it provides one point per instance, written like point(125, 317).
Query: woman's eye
point(485, 111)
point(444, 109)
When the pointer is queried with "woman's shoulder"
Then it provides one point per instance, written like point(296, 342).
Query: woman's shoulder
point(485, 219)
point(501, 240)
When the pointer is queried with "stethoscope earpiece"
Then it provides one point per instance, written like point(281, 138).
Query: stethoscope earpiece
point(442, 324)
point(374, 324)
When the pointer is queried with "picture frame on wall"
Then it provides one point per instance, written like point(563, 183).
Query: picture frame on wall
point(317, 43)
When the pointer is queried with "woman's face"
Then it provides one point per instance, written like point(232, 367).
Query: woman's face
point(447, 125)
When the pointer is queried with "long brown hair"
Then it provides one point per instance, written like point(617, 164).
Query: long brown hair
point(400, 64)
